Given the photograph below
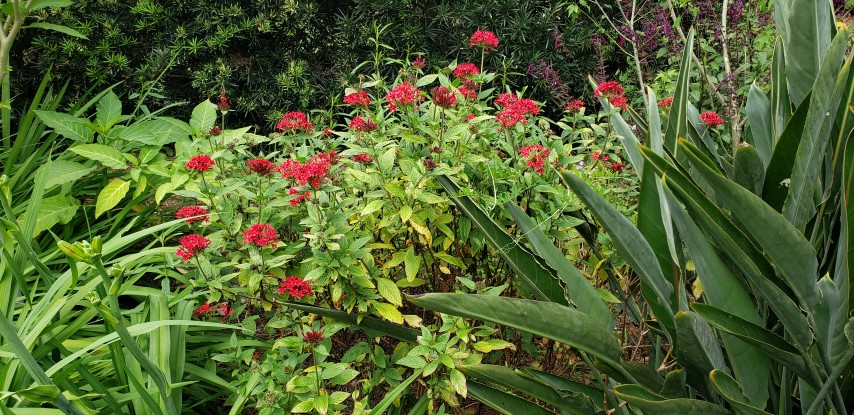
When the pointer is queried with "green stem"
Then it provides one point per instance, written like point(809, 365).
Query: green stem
point(316, 368)
point(830, 383)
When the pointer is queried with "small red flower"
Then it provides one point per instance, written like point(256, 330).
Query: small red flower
point(403, 94)
point(261, 167)
point(312, 172)
point(666, 102)
point(575, 105)
point(293, 121)
point(515, 109)
point(295, 287)
point(505, 99)
point(313, 337)
point(596, 155)
point(536, 156)
point(192, 245)
point(470, 117)
point(468, 92)
point(465, 70)
point(429, 164)
point(223, 104)
point(443, 97)
point(215, 131)
point(327, 132)
point(261, 234)
point(711, 118)
point(620, 102)
point(362, 158)
point(419, 62)
point(256, 355)
point(295, 201)
point(200, 163)
point(608, 90)
point(202, 310)
point(359, 98)
point(485, 39)
point(361, 124)
point(617, 167)
point(192, 214)
point(225, 310)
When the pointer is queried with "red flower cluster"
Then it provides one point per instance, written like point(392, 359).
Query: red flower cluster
point(470, 117)
point(202, 310)
point(515, 109)
point(359, 99)
point(313, 337)
point(419, 62)
point(575, 105)
point(465, 70)
point(597, 155)
point(312, 172)
point(225, 310)
point(261, 234)
point(403, 94)
point(617, 167)
point(364, 125)
point(261, 166)
point(468, 91)
point(429, 164)
point(362, 158)
point(215, 131)
point(296, 287)
point(712, 119)
point(536, 156)
point(192, 245)
point(191, 213)
point(612, 91)
point(200, 163)
point(295, 201)
point(443, 97)
point(666, 102)
point(223, 104)
point(485, 39)
point(294, 120)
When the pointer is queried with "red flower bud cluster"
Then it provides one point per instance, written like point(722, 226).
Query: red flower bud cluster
point(666, 102)
point(200, 163)
point(466, 70)
point(295, 287)
point(419, 62)
point(261, 234)
point(712, 119)
point(536, 156)
point(617, 167)
point(485, 39)
point(293, 121)
point(312, 172)
point(575, 106)
point(192, 245)
point(313, 337)
point(362, 158)
point(597, 155)
point(295, 201)
point(192, 214)
point(261, 167)
point(359, 99)
point(202, 310)
point(362, 124)
point(613, 92)
point(403, 94)
point(515, 109)
point(223, 104)
point(443, 97)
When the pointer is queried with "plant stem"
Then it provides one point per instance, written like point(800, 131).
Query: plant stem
point(830, 383)
point(316, 368)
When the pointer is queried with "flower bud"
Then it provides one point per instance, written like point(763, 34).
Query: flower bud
point(73, 251)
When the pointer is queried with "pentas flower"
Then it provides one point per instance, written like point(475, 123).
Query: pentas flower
point(536, 156)
point(419, 62)
point(327, 132)
point(516, 111)
point(608, 90)
point(575, 105)
point(223, 104)
point(466, 70)
point(617, 167)
point(261, 167)
point(470, 117)
point(293, 121)
point(365, 125)
point(467, 92)
point(359, 99)
point(597, 155)
point(666, 102)
point(295, 287)
point(443, 97)
point(192, 245)
point(403, 94)
point(484, 39)
point(215, 130)
point(202, 310)
point(505, 99)
point(296, 201)
point(313, 337)
point(620, 102)
point(261, 234)
point(200, 162)
point(192, 214)
point(711, 118)
point(429, 164)
point(362, 158)
point(225, 310)
point(312, 172)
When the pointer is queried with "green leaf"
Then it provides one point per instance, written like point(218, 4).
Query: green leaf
point(109, 110)
point(779, 172)
point(631, 246)
point(578, 289)
point(372, 207)
point(106, 155)
point(41, 4)
point(58, 28)
point(55, 209)
point(557, 322)
point(805, 27)
point(426, 80)
point(203, 117)
point(394, 394)
point(321, 403)
point(110, 196)
point(652, 403)
point(677, 121)
point(697, 350)
point(535, 277)
point(411, 263)
point(761, 135)
point(830, 319)
point(67, 125)
point(63, 171)
point(458, 382)
point(361, 321)
point(388, 312)
point(504, 403)
point(732, 392)
point(412, 362)
point(748, 169)
point(566, 387)
point(389, 291)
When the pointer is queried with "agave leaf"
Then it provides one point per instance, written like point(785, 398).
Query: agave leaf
point(534, 276)
point(732, 392)
point(578, 288)
point(632, 247)
point(652, 403)
point(557, 322)
point(761, 132)
point(504, 403)
point(508, 378)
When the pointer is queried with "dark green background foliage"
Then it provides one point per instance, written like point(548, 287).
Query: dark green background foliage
point(272, 56)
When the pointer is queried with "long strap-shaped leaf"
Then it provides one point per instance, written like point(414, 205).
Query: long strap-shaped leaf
point(652, 403)
point(730, 390)
point(390, 329)
point(536, 278)
point(677, 121)
point(504, 403)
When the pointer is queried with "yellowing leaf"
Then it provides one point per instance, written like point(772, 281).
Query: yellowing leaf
point(411, 263)
point(388, 312)
point(423, 231)
point(389, 291)
point(110, 196)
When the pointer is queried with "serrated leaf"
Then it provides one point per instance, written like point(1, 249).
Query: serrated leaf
point(458, 381)
point(389, 291)
point(105, 155)
point(63, 171)
point(388, 312)
point(411, 263)
point(110, 196)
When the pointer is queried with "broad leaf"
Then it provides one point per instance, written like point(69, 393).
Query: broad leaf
point(504, 403)
point(63, 171)
point(105, 155)
point(727, 387)
point(759, 114)
point(56, 209)
point(110, 196)
point(652, 403)
point(203, 117)
point(67, 125)
point(57, 28)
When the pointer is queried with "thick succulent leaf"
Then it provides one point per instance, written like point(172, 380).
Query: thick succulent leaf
point(829, 87)
point(631, 246)
point(768, 342)
point(698, 350)
point(504, 403)
point(760, 116)
point(508, 378)
point(677, 121)
point(748, 169)
point(641, 398)
point(791, 253)
point(674, 384)
point(732, 392)
point(578, 288)
point(535, 277)
point(806, 27)
point(723, 290)
point(566, 387)
point(557, 322)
